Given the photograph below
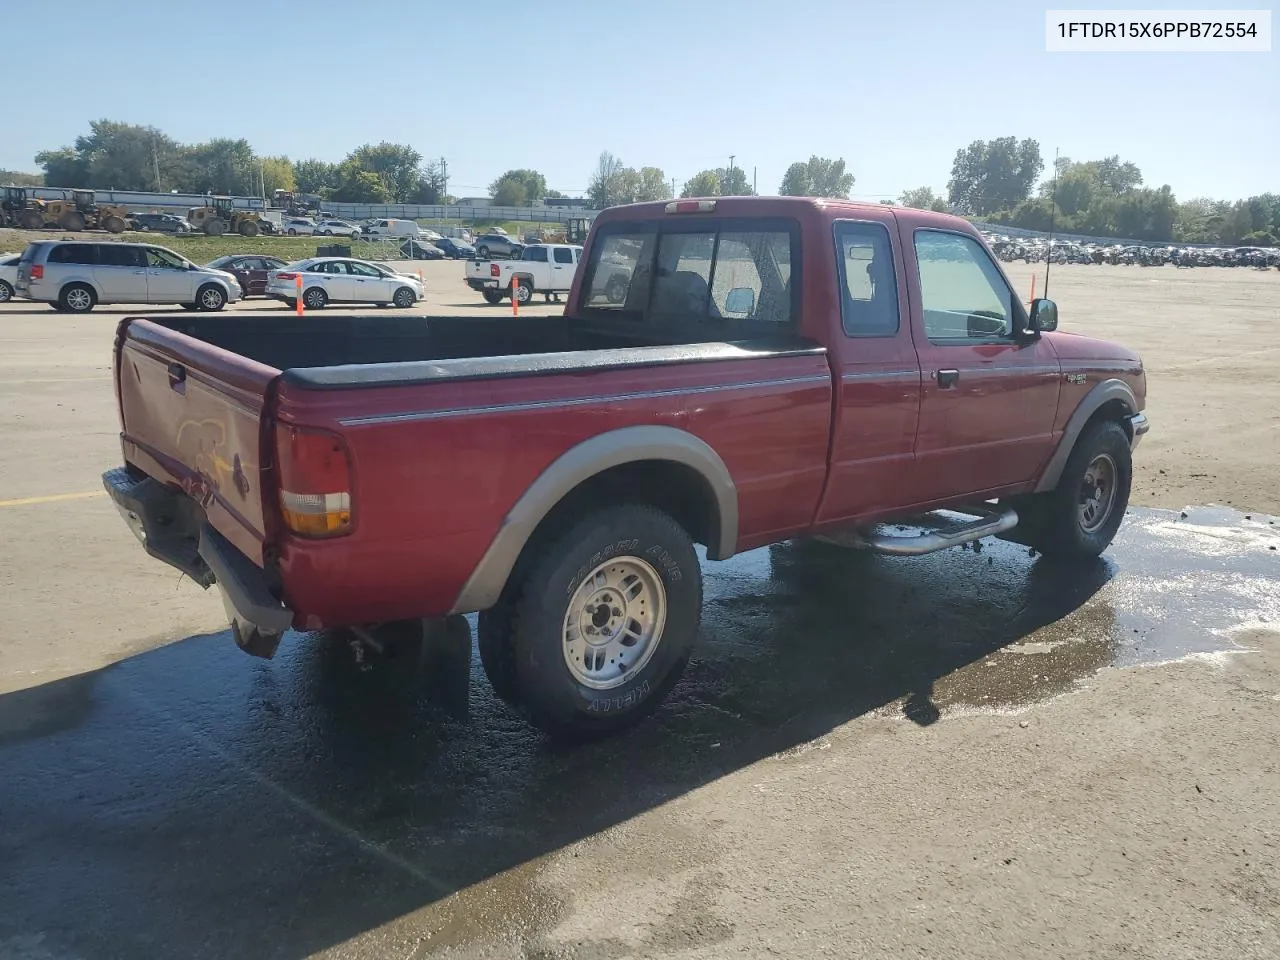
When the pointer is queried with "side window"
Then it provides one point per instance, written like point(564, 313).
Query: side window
point(361, 270)
point(81, 253)
point(563, 255)
point(318, 268)
point(962, 293)
point(752, 279)
point(119, 255)
point(868, 284)
point(163, 259)
point(617, 261)
point(536, 255)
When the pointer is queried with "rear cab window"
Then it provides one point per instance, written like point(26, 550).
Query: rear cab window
point(734, 273)
point(868, 283)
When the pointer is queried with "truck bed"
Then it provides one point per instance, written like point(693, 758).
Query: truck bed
point(352, 350)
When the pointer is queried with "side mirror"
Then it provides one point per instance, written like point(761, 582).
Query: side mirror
point(740, 300)
point(1043, 316)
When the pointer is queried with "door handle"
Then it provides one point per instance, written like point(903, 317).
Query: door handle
point(139, 273)
point(177, 375)
point(948, 378)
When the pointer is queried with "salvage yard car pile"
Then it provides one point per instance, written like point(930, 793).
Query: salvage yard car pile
point(1040, 250)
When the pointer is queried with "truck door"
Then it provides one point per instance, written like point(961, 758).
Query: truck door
point(874, 423)
point(562, 268)
point(989, 397)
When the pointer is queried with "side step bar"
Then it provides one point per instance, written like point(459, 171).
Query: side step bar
point(990, 523)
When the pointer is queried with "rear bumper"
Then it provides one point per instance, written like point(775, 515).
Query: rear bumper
point(172, 527)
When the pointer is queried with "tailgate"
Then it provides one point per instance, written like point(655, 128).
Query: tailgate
point(478, 269)
point(192, 416)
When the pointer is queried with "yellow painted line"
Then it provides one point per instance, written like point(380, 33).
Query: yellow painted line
point(55, 498)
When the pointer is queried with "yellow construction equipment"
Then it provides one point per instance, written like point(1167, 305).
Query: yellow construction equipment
point(19, 210)
point(82, 212)
point(220, 216)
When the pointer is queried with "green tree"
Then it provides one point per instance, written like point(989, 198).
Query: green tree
point(923, 198)
point(220, 166)
point(277, 174)
point(817, 177)
point(704, 183)
point(606, 184)
point(721, 182)
point(529, 185)
point(431, 184)
point(508, 191)
point(357, 185)
point(991, 175)
point(396, 165)
point(652, 184)
point(64, 168)
point(314, 176)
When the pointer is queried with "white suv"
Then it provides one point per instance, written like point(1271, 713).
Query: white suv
point(74, 277)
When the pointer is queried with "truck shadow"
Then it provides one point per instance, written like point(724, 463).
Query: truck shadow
point(190, 802)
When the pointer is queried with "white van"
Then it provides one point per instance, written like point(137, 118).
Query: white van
point(394, 228)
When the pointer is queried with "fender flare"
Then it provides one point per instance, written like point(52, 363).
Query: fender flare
point(1104, 392)
point(579, 464)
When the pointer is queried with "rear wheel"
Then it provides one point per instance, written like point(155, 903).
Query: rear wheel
point(210, 298)
point(293, 232)
point(1079, 518)
point(31, 220)
point(114, 224)
point(315, 299)
point(483, 253)
point(77, 298)
point(6, 291)
point(595, 627)
point(404, 298)
point(249, 228)
point(215, 228)
point(493, 296)
point(72, 221)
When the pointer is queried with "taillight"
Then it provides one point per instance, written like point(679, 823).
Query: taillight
point(37, 271)
point(284, 276)
point(315, 481)
point(494, 270)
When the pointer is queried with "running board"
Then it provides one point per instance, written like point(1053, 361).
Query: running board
point(989, 524)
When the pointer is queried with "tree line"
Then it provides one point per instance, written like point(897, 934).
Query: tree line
point(998, 181)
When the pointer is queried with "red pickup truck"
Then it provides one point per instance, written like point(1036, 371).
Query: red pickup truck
point(729, 372)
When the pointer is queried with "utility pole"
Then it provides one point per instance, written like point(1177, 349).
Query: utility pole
point(754, 184)
point(155, 162)
point(731, 156)
point(444, 180)
point(673, 186)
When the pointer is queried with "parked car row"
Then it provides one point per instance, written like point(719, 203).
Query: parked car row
point(74, 276)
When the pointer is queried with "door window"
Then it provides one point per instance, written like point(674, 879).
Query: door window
point(164, 259)
point(962, 292)
point(536, 255)
point(361, 270)
point(563, 255)
point(119, 255)
point(868, 286)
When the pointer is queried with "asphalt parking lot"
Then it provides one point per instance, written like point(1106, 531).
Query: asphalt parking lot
point(972, 754)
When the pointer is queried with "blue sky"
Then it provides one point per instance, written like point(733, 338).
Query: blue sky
point(893, 88)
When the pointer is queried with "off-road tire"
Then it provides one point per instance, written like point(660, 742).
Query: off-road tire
point(1052, 523)
point(522, 638)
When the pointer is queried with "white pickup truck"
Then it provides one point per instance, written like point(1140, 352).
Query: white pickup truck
point(545, 268)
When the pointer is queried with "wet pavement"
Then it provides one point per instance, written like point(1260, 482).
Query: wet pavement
point(192, 802)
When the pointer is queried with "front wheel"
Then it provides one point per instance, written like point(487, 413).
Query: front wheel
point(404, 298)
point(595, 627)
point(524, 291)
point(1079, 518)
point(210, 298)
